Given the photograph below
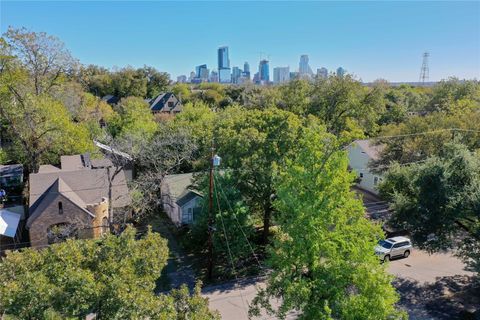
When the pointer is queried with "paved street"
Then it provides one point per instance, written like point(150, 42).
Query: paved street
point(421, 279)
point(232, 299)
point(423, 267)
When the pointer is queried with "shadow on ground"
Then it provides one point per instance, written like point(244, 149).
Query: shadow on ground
point(452, 297)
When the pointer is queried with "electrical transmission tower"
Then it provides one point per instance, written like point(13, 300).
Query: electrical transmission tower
point(424, 71)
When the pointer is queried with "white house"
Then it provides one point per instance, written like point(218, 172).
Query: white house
point(360, 155)
point(179, 200)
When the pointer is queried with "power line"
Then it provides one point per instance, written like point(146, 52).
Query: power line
point(239, 225)
point(228, 247)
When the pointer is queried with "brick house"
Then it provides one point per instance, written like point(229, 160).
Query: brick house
point(73, 200)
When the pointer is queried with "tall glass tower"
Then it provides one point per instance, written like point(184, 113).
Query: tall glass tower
point(264, 71)
point(224, 65)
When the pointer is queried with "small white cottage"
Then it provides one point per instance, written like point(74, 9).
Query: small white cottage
point(360, 155)
point(180, 201)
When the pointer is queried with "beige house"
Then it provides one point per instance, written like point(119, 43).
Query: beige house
point(360, 155)
point(180, 201)
point(73, 200)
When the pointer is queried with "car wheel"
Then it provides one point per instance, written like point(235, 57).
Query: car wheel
point(406, 254)
point(386, 258)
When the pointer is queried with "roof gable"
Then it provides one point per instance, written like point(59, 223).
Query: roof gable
point(160, 103)
point(368, 147)
point(190, 195)
point(58, 188)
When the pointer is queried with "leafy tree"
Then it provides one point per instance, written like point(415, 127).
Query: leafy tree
point(438, 201)
point(41, 130)
point(418, 138)
point(233, 225)
point(252, 142)
point(341, 102)
point(197, 119)
point(157, 82)
point(113, 277)
point(165, 153)
point(453, 95)
point(128, 82)
point(400, 101)
point(295, 96)
point(133, 118)
point(96, 80)
point(44, 57)
point(322, 258)
point(182, 91)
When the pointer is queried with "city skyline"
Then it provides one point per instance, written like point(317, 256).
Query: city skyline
point(370, 39)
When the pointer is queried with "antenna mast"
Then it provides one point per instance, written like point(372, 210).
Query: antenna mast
point(424, 72)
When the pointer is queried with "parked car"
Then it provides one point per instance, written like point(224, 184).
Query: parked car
point(393, 247)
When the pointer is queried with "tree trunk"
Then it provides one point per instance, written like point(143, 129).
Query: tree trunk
point(267, 214)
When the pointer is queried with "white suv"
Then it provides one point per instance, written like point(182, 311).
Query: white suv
point(393, 247)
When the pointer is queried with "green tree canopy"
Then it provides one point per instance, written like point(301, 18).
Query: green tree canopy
point(438, 201)
point(113, 277)
point(421, 137)
point(133, 118)
point(342, 103)
point(322, 258)
point(252, 142)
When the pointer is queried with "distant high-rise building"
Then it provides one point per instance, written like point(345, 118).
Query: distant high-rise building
point(281, 74)
point(256, 77)
point(322, 73)
point(192, 76)
point(182, 79)
point(224, 65)
point(223, 60)
point(201, 73)
point(304, 68)
point(340, 72)
point(213, 76)
point(236, 74)
point(246, 70)
point(264, 71)
point(246, 67)
point(294, 75)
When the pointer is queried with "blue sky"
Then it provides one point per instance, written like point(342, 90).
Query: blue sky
point(370, 39)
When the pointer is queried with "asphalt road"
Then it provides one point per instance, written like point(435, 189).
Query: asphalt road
point(232, 299)
point(425, 268)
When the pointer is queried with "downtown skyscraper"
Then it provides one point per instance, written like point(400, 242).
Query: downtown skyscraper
point(264, 72)
point(281, 75)
point(224, 65)
point(304, 68)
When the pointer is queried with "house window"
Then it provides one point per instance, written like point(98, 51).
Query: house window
point(188, 216)
point(375, 181)
point(361, 174)
point(170, 104)
point(60, 207)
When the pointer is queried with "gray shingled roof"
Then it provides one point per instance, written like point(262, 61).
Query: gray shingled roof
point(180, 187)
point(78, 183)
point(159, 103)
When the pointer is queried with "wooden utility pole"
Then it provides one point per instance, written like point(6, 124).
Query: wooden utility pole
point(210, 218)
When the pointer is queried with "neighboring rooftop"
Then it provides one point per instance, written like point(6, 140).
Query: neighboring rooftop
point(80, 181)
point(111, 99)
point(159, 104)
point(181, 186)
point(370, 148)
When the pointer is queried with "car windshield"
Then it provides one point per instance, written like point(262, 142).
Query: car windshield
point(385, 244)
